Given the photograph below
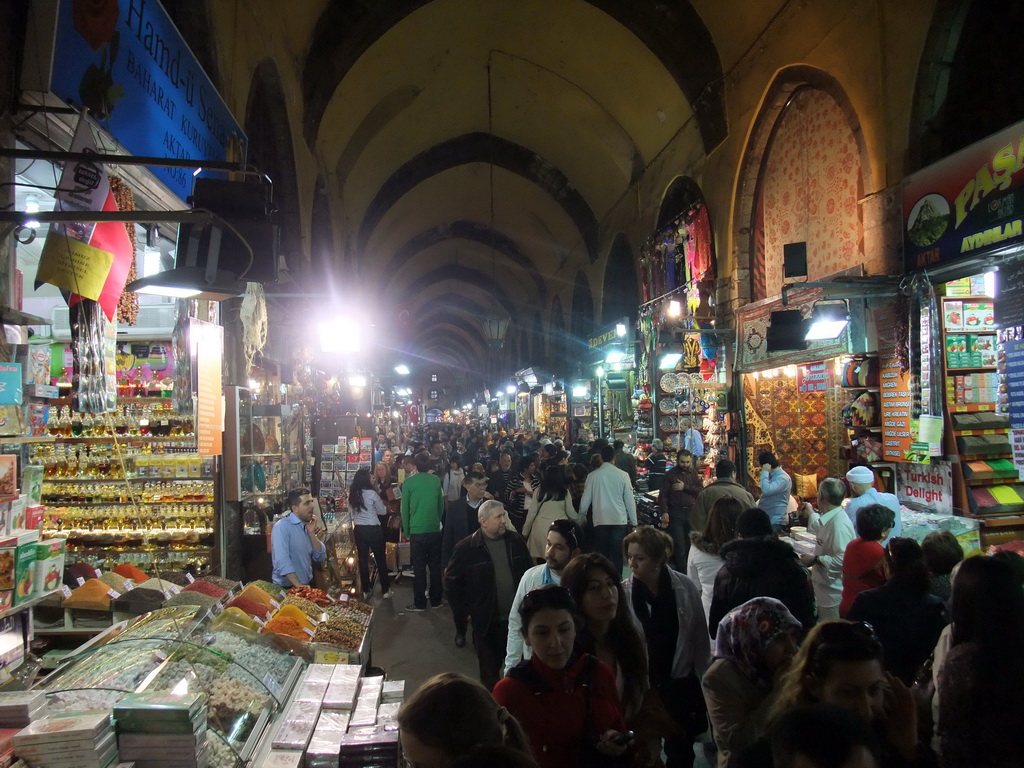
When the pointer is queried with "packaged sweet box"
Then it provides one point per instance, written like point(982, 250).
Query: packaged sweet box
point(50, 556)
point(88, 728)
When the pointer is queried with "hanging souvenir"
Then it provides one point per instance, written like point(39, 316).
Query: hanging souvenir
point(691, 352)
point(94, 358)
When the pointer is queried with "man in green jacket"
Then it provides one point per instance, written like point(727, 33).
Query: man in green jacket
point(422, 514)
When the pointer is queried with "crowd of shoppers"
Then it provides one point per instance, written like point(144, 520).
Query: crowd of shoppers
point(584, 667)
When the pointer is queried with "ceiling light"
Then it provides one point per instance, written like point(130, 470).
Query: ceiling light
point(675, 309)
point(32, 206)
point(615, 355)
point(402, 369)
point(579, 390)
point(620, 329)
point(510, 389)
point(340, 335)
point(599, 371)
point(357, 380)
point(669, 361)
point(827, 321)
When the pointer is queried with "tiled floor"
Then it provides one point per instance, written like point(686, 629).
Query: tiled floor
point(415, 646)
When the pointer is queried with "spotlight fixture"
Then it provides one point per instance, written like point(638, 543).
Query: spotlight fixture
point(669, 361)
point(675, 309)
point(615, 355)
point(620, 329)
point(828, 321)
point(402, 370)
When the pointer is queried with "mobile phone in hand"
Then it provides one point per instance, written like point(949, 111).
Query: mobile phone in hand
point(623, 738)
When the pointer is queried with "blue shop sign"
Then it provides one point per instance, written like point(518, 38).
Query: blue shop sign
point(127, 63)
point(1015, 382)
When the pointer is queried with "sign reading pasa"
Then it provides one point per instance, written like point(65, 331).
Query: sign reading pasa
point(968, 204)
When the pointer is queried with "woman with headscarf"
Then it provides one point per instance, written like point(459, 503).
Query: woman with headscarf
point(755, 644)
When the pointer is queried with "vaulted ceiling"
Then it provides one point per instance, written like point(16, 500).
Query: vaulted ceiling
point(472, 151)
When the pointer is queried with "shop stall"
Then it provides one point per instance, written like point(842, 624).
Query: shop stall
point(964, 240)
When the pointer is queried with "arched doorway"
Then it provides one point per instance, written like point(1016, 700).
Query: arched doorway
point(620, 296)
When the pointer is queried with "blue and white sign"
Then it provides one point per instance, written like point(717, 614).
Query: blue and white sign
point(127, 63)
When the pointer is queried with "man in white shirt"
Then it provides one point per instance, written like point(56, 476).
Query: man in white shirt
point(833, 531)
point(563, 544)
point(608, 493)
point(862, 483)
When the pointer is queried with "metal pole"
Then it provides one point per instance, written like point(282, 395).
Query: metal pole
point(141, 217)
point(600, 407)
point(100, 157)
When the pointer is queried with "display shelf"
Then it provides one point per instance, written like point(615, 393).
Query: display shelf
point(971, 481)
point(125, 439)
point(980, 432)
point(875, 427)
point(52, 503)
point(206, 478)
point(861, 389)
point(988, 368)
point(970, 407)
point(27, 604)
point(79, 550)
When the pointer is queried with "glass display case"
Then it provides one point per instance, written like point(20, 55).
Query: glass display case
point(263, 447)
point(246, 677)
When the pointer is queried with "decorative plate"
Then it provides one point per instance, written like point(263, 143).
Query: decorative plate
point(667, 405)
point(669, 382)
point(668, 423)
point(671, 441)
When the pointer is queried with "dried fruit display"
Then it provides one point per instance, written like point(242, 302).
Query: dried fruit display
point(312, 594)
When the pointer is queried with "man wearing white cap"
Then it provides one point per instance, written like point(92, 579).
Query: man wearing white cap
point(862, 483)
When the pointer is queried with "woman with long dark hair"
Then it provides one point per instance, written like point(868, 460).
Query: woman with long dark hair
point(367, 508)
point(840, 664)
point(981, 681)
point(565, 700)
point(704, 561)
point(606, 626)
point(551, 502)
point(906, 616)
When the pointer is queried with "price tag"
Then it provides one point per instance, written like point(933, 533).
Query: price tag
point(167, 593)
point(259, 621)
point(308, 631)
point(113, 594)
point(174, 588)
point(80, 580)
point(272, 685)
point(65, 590)
point(343, 597)
point(190, 577)
point(313, 621)
point(275, 604)
point(129, 585)
point(98, 573)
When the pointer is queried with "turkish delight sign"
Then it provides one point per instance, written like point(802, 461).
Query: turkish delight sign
point(926, 487)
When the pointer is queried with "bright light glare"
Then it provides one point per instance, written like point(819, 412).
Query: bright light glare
point(174, 291)
point(669, 361)
point(620, 329)
point(600, 371)
point(579, 391)
point(402, 370)
point(615, 356)
point(990, 283)
point(510, 389)
point(357, 380)
point(340, 335)
point(821, 330)
point(675, 309)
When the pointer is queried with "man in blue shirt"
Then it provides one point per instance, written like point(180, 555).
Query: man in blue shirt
point(776, 487)
point(862, 484)
point(294, 544)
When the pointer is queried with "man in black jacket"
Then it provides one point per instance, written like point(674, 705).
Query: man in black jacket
point(481, 580)
point(759, 565)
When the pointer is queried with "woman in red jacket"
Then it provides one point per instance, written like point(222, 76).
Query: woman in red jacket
point(566, 703)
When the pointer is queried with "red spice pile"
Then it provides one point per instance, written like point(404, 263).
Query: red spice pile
point(206, 588)
point(251, 607)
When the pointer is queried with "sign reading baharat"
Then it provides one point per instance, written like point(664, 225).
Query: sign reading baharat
point(968, 204)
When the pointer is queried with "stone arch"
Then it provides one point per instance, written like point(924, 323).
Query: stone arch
point(778, 96)
point(682, 194)
point(620, 296)
point(272, 152)
point(674, 32)
point(560, 347)
point(968, 44)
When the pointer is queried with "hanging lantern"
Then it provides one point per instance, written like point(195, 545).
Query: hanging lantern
point(494, 330)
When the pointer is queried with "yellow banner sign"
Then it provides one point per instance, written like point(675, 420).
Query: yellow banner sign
point(74, 266)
